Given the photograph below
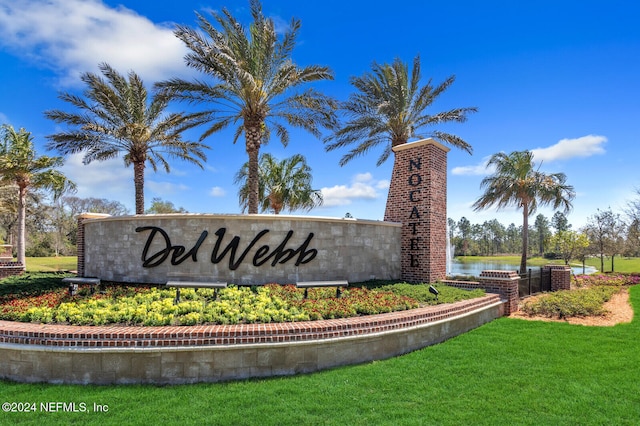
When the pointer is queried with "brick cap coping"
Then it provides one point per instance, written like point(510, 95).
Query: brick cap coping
point(51, 335)
point(234, 216)
point(416, 144)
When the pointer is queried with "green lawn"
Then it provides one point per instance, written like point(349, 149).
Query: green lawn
point(621, 264)
point(509, 371)
point(52, 264)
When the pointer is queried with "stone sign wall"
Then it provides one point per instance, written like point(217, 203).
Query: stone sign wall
point(239, 249)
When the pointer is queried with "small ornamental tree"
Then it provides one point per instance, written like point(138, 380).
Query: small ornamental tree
point(569, 244)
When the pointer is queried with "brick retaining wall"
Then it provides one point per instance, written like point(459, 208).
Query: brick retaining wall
point(189, 354)
point(9, 269)
point(503, 283)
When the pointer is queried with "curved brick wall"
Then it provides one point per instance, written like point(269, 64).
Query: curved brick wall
point(171, 355)
point(239, 249)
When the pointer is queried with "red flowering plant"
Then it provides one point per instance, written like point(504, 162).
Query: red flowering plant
point(46, 300)
point(613, 279)
point(322, 303)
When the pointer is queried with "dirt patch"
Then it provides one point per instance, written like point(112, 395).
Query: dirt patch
point(618, 311)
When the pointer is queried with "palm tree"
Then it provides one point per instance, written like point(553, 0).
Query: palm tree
point(517, 182)
point(283, 185)
point(389, 108)
point(254, 78)
point(20, 166)
point(116, 118)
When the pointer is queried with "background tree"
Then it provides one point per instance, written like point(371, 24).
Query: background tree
point(452, 226)
point(614, 231)
point(569, 244)
point(559, 222)
point(632, 212)
point(8, 212)
point(116, 119)
point(465, 232)
point(390, 107)
point(516, 181)
point(158, 206)
point(514, 238)
point(254, 81)
point(604, 229)
point(76, 205)
point(543, 232)
point(632, 240)
point(20, 166)
point(70, 207)
point(283, 185)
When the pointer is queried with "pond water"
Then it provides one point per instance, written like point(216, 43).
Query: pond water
point(475, 268)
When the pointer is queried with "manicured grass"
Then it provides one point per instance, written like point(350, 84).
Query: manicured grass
point(509, 259)
point(52, 264)
point(509, 371)
point(621, 264)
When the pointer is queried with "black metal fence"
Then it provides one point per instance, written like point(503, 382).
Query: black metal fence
point(534, 281)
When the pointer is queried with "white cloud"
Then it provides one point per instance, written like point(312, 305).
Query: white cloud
point(4, 119)
point(476, 170)
point(362, 187)
point(565, 149)
point(363, 177)
point(101, 179)
point(165, 188)
point(383, 184)
point(584, 146)
point(74, 36)
point(217, 191)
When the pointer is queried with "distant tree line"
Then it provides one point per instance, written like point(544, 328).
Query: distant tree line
point(606, 235)
point(51, 225)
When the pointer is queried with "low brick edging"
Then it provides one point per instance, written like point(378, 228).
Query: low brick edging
point(9, 269)
point(189, 354)
point(502, 283)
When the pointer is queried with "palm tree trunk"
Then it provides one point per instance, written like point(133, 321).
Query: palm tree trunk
point(138, 182)
point(22, 214)
point(525, 237)
point(252, 137)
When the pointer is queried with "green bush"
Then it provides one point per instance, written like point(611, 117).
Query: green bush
point(571, 303)
point(420, 292)
point(43, 298)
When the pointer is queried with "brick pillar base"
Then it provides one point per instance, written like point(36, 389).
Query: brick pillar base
point(505, 283)
point(560, 277)
point(9, 269)
point(418, 199)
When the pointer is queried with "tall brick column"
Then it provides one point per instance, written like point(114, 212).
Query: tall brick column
point(82, 218)
point(418, 199)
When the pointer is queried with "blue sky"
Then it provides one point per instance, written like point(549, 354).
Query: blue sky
point(561, 78)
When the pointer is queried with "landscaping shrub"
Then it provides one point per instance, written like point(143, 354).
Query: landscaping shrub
point(45, 299)
point(420, 292)
point(571, 303)
point(606, 280)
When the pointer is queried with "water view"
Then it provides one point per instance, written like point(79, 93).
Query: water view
point(475, 268)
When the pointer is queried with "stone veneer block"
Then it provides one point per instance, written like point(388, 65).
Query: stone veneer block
point(238, 249)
